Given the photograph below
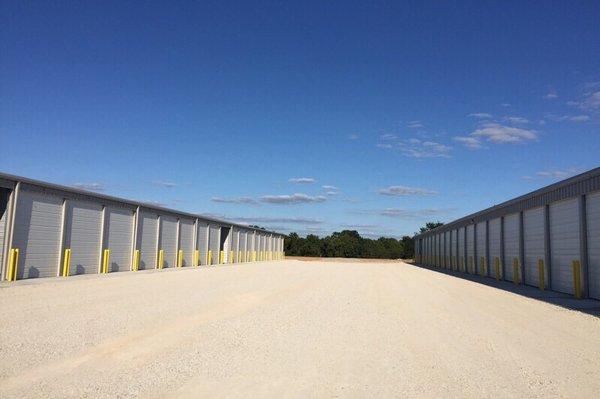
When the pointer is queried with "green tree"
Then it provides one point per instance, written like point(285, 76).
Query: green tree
point(430, 226)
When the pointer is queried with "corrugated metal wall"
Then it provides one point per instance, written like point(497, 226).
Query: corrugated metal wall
point(471, 248)
point(168, 240)
point(495, 247)
point(186, 241)
point(480, 244)
point(147, 239)
point(214, 243)
point(83, 235)
point(511, 243)
point(593, 241)
point(533, 243)
point(202, 242)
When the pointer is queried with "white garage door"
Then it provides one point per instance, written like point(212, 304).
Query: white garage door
point(494, 241)
point(564, 243)
point(213, 240)
point(147, 239)
point(83, 235)
point(471, 247)
point(593, 239)
point(168, 240)
point(202, 243)
point(461, 249)
point(119, 235)
point(533, 241)
point(481, 249)
point(511, 243)
point(38, 220)
point(186, 241)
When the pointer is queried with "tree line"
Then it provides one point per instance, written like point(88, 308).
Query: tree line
point(349, 244)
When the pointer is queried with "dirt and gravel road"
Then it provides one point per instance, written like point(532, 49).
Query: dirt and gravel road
point(290, 329)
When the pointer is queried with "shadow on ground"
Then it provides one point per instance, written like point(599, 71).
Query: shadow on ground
point(589, 306)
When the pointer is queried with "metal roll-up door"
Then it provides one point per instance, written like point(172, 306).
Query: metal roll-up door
point(235, 247)
point(202, 242)
point(243, 237)
point(186, 241)
point(250, 242)
point(470, 246)
point(511, 243)
point(213, 243)
point(481, 249)
point(37, 227)
point(147, 239)
point(168, 240)
point(118, 223)
point(452, 247)
point(461, 249)
point(593, 240)
point(564, 243)
point(495, 248)
point(447, 248)
point(83, 235)
point(533, 244)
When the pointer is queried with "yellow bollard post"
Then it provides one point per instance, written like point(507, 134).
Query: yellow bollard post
point(541, 275)
point(66, 270)
point(13, 265)
point(230, 257)
point(106, 261)
point(161, 259)
point(577, 279)
point(136, 260)
point(221, 257)
point(196, 258)
point(209, 257)
point(497, 267)
point(516, 278)
point(180, 258)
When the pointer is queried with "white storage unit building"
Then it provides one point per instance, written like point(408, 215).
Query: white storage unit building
point(555, 229)
point(47, 230)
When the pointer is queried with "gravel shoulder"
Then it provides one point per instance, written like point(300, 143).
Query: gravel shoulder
point(292, 329)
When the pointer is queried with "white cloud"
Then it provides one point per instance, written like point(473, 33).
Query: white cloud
point(388, 136)
point(302, 180)
point(329, 187)
point(557, 174)
point(505, 105)
point(469, 142)
point(292, 199)
point(400, 191)
point(500, 134)
point(579, 118)
point(165, 184)
point(406, 214)
point(567, 118)
point(90, 186)
point(414, 125)
point(384, 145)
point(551, 95)
point(235, 200)
point(269, 219)
point(353, 136)
point(425, 149)
point(480, 115)
point(591, 101)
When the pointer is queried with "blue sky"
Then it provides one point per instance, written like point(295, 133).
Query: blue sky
point(387, 114)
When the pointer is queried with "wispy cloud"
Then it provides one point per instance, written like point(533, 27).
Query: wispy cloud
point(469, 142)
point(302, 180)
point(165, 184)
point(480, 115)
point(551, 95)
point(269, 219)
point(414, 125)
point(388, 136)
point(516, 119)
point(329, 187)
point(496, 133)
point(403, 191)
point(406, 214)
point(567, 118)
point(505, 105)
point(154, 203)
point(591, 101)
point(235, 200)
point(557, 174)
point(90, 186)
point(293, 199)
point(353, 136)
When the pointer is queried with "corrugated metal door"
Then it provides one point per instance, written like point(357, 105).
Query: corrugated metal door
point(447, 249)
point(511, 243)
point(202, 243)
point(593, 239)
point(243, 237)
point(147, 237)
point(452, 234)
point(495, 248)
point(533, 244)
point(186, 241)
point(236, 244)
point(470, 247)
point(38, 221)
point(564, 244)
point(168, 240)
point(461, 249)
point(118, 223)
point(83, 235)
point(481, 249)
point(213, 240)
